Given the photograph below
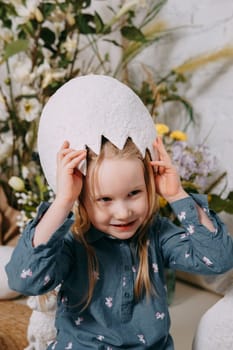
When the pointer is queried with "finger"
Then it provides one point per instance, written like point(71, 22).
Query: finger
point(65, 145)
point(63, 150)
point(74, 155)
point(162, 153)
point(158, 144)
point(161, 163)
point(72, 166)
point(161, 170)
point(163, 166)
point(69, 153)
point(161, 148)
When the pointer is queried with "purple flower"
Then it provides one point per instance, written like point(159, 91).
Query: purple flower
point(195, 164)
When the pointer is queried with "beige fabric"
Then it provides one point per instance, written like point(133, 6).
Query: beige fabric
point(214, 283)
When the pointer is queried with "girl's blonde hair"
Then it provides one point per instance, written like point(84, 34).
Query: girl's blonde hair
point(82, 223)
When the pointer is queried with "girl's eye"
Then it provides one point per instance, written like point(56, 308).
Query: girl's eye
point(104, 199)
point(134, 193)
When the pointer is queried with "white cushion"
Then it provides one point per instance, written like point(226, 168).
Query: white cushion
point(5, 291)
point(215, 329)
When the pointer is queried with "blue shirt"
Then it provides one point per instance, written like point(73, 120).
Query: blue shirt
point(114, 319)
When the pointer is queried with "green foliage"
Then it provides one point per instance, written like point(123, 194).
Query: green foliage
point(133, 33)
point(15, 47)
point(219, 204)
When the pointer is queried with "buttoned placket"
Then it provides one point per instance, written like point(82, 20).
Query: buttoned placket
point(128, 285)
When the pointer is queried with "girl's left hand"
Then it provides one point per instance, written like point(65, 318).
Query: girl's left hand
point(167, 179)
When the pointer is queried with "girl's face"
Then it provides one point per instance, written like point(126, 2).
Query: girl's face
point(118, 203)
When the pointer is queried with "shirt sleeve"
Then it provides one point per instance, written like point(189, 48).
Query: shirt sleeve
point(191, 246)
point(37, 270)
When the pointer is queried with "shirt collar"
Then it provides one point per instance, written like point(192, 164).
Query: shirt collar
point(94, 235)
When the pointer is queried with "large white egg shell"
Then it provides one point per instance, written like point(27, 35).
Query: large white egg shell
point(86, 108)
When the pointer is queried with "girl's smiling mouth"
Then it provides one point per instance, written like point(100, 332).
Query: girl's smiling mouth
point(124, 226)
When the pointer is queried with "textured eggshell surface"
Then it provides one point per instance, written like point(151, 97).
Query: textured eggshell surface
point(86, 108)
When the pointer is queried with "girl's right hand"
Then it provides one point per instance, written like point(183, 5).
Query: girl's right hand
point(69, 186)
point(69, 178)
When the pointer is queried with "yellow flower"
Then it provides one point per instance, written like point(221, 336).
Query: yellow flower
point(178, 135)
point(162, 202)
point(16, 183)
point(161, 129)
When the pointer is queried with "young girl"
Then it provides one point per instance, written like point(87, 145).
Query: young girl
point(109, 255)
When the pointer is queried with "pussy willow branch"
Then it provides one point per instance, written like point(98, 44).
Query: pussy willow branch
point(12, 115)
point(96, 51)
point(74, 57)
point(215, 183)
point(34, 50)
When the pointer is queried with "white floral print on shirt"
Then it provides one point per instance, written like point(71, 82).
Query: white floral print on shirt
point(108, 302)
point(26, 273)
point(160, 315)
point(155, 267)
point(141, 338)
point(207, 261)
point(182, 216)
point(64, 300)
point(124, 281)
point(96, 275)
point(100, 337)
point(206, 210)
point(46, 279)
point(191, 229)
point(79, 321)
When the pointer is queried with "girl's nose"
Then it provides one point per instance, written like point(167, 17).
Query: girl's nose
point(122, 211)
